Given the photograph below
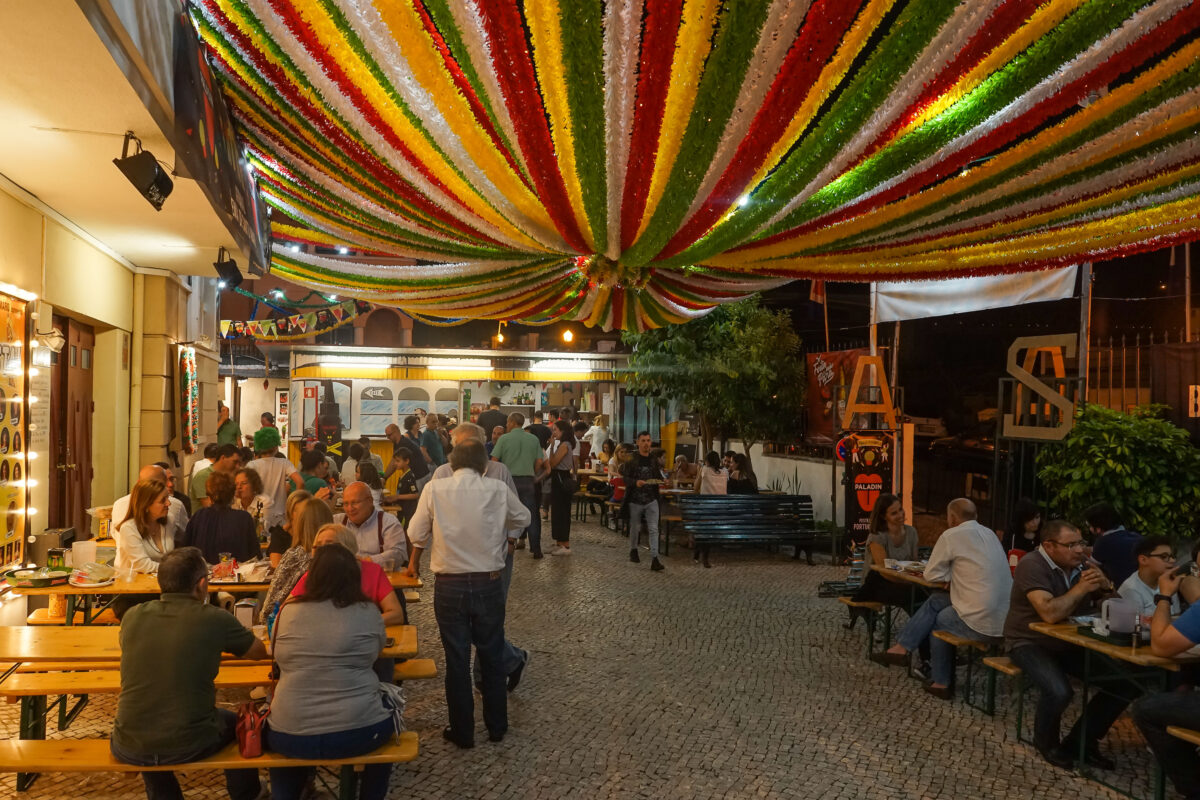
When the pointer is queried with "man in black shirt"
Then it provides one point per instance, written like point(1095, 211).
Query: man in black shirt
point(492, 418)
point(642, 475)
point(540, 429)
point(416, 459)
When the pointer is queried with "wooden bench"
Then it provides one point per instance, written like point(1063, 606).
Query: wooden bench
point(415, 669)
point(974, 649)
point(42, 616)
point(870, 611)
point(750, 519)
point(583, 499)
point(412, 596)
point(1186, 734)
point(93, 755)
point(1005, 665)
point(960, 641)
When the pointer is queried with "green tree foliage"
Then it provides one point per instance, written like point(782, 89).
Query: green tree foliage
point(1140, 463)
point(739, 367)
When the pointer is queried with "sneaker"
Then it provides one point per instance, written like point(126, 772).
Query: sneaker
point(514, 677)
point(520, 545)
point(633, 556)
point(560, 551)
point(656, 565)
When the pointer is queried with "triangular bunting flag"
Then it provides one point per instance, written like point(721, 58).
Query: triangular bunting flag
point(225, 325)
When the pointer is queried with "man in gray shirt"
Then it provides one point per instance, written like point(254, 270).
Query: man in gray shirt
point(1050, 585)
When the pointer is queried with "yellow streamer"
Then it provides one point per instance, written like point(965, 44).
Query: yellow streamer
point(545, 29)
point(691, 49)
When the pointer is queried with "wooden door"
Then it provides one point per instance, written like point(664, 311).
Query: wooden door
point(71, 429)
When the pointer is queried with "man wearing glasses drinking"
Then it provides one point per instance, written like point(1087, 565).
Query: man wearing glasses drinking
point(1049, 585)
point(1154, 559)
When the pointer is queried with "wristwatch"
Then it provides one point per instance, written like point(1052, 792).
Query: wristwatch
point(1159, 598)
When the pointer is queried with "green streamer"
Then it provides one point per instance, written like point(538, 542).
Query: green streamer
point(583, 61)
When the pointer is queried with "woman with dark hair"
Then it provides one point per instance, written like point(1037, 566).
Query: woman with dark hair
point(713, 479)
point(1024, 531)
point(741, 477)
point(887, 535)
point(328, 704)
point(370, 476)
point(141, 539)
point(560, 467)
point(218, 528)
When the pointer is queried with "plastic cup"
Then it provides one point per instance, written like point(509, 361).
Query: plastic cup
point(126, 574)
point(83, 552)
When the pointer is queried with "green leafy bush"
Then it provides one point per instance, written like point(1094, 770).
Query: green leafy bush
point(1139, 462)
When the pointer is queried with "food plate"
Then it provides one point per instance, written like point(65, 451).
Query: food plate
point(36, 578)
point(91, 584)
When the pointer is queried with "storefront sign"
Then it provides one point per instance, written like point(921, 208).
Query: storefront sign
point(869, 462)
point(827, 371)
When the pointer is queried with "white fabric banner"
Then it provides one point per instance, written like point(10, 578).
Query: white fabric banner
point(916, 299)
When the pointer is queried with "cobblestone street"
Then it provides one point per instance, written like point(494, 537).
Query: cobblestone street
point(730, 682)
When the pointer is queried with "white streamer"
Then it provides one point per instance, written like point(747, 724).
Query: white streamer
point(622, 37)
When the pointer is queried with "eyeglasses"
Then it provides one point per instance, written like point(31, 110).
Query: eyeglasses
point(1163, 556)
point(1075, 545)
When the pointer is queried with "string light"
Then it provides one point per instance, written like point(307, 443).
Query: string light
point(568, 336)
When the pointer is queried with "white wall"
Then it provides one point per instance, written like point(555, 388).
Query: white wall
point(816, 478)
point(256, 400)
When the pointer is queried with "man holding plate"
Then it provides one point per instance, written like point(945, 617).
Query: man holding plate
point(643, 474)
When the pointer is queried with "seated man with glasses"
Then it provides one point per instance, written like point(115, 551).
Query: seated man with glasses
point(1154, 559)
point(1050, 584)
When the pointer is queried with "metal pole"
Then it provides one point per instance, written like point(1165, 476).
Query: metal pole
point(1085, 324)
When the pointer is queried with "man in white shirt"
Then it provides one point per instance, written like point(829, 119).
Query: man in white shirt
point(380, 535)
point(177, 516)
point(971, 558)
point(274, 472)
point(514, 658)
point(470, 524)
point(1154, 559)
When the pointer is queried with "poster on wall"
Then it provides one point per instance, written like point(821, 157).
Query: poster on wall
point(282, 403)
point(13, 432)
point(826, 371)
point(869, 457)
point(306, 397)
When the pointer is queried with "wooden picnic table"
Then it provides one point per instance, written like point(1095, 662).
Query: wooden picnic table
point(27, 644)
point(902, 576)
point(1133, 664)
point(148, 584)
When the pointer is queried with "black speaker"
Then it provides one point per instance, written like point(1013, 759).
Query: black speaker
point(227, 270)
point(147, 176)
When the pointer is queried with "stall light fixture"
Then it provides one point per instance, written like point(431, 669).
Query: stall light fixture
point(343, 251)
point(568, 336)
point(561, 365)
point(17, 291)
point(227, 270)
point(355, 361)
point(459, 365)
point(144, 172)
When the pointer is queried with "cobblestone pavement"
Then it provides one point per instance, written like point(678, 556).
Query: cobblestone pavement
point(730, 682)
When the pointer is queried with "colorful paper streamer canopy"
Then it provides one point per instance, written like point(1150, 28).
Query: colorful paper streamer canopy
point(631, 163)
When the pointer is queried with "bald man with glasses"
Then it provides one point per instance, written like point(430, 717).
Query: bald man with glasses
point(1050, 584)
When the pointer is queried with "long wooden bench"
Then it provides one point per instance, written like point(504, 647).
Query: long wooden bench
point(108, 680)
point(1187, 734)
point(974, 649)
point(42, 616)
point(750, 519)
point(870, 611)
point(1006, 666)
point(415, 669)
point(93, 755)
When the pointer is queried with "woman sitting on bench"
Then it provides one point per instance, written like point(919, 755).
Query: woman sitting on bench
point(328, 702)
point(713, 479)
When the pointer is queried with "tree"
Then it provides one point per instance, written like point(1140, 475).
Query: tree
point(1140, 463)
point(738, 367)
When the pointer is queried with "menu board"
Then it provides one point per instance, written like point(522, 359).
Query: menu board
point(13, 443)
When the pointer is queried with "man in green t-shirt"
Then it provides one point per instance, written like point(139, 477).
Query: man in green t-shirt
point(522, 453)
point(170, 653)
point(228, 431)
point(226, 460)
point(313, 470)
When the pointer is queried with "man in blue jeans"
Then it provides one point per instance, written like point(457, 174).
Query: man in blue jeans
point(465, 522)
point(1050, 585)
point(1154, 713)
point(170, 652)
point(971, 559)
point(642, 476)
point(522, 453)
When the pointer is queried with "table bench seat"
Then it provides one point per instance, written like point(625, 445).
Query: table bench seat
point(750, 519)
point(108, 680)
point(1187, 734)
point(415, 669)
point(42, 616)
point(1003, 664)
point(93, 755)
point(870, 605)
point(412, 596)
point(960, 641)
